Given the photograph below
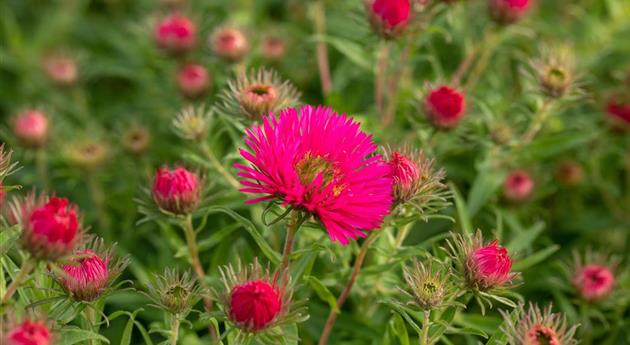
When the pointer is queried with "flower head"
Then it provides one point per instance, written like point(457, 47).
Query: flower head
point(618, 110)
point(389, 18)
point(555, 72)
point(273, 48)
point(29, 332)
point(593, 276)
point(320, 162)
point(429, 287)
point(87, 153)
point(255, 302)
point(31, 128)
point(86, 276)
point(258, 94)
point(229, 43)
point(175, 292)
point(570, 173)
point(193, 123)
point(518, 186)
point(538, 327)
point(177, 191)
point(484, 266)
point(136, 139)
point(445, 106)
point(193, 80)
point(62, 70)
point(51, 230)
point(176, 34)
point(508, 11)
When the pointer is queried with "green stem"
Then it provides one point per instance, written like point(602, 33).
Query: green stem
point(40, 165)
point(488, 45)
point(174, 329)
point(26, 268)
point(322, 48)
point(426, 324)
point(292, 226)
point(402, 234)
point(380, 79)
point(536, 124)
point(93, 320)
point(217, 165)
point(98, 199)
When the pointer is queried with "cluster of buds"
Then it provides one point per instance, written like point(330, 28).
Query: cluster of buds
point(593, 276)
point(88, 154)
point(61, 69)
point(90, 272)
point(254, 302)
point(31, 128)
point(193, 80)
point(176, 34)
point(258, 94)
point(618, 109)
point(174, 292)
point(176, 191)
point(429, 286)
point(484, 267)
point(417, 185)
point(506, 12)
point(538, 327)
point(518, 186)
point(136, 139)
point(28, 332)
point(229, 43)
point(445, 106)
point(389, 18)
point(570, 173)
point(51, 226)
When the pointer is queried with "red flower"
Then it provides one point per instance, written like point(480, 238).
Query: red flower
point(86, 277)
point(594, 281)
point(176, 34)
point(619, 110)
point(390, 17)
point(508, 11)
point(30, 333)
point(489, 266)
point(445, 106)
point(52, 229)
point(231, 44)
point(518, 186)
point(255, 304)
point(177, 191)
point(193, 80)
point(61, 70)
point(31, 128)
point(405, 175)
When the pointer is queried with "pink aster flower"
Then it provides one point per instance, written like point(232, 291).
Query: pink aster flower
point(518, 186)
point(445, 106)
point(318, 161)
point(193, 80)
point(176, 34)
point(389, 18)
point(29, 333)
point(490, 265)
point(594, 281)
point(87, 276)
point(177, 191)
point(255, 304)
point(52, 229)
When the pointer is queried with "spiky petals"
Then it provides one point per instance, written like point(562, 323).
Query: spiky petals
point(445, 106)
point(255, 304)
point(489, 266)
point(594, 282)
point(518, 186)
point(538, 327)
point(30, 333)
point(52, 229)
point(389, 17)
point(87, 276)
point(31, 128)
point(319, 161)
point(177, 191)
point(176, 34)
point(193, 80)
point(508, 11)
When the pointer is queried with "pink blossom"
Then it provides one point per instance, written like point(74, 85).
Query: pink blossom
point(31, 128)
point(518, 186)
point(177, 191)
point(255, 304)
point(594, 281)
point(445, 106)
point(30, 333)
point(87, 276)
point(176, 33)
point(490, 265)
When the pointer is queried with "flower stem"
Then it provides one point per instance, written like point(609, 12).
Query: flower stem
point(322, 49)
point(380, 78)
point(487, 45)
point(193, 251)
point(98, 199)
point(174, 329)
point(91, 315)
point(536, 124)
point(394, 85)
point(402, 234)
point(217, 165)
point(332, 315)
point(292, 226)
point(40, 165)
point(26, 268)
point(426, 323)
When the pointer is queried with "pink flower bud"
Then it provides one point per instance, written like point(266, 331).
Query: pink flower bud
point(177, 191)
point(176, 34)
point(406, 175)
point(31, 128)
point(570, 173)
point(518, 186)
point(30, 333)
point(489, 266)
point(445, 106)
point(255, 304)
point(273, 48)
point(389, 18)
point(508, 11)
point(52, 229)
point(87, 276)
point(230, 44)
point(193, 80)
point(618, 110)
point(62, 70)
point(594, 282)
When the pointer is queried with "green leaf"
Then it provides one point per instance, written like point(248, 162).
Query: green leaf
point(8, 238)
point(499, 337)
point(71, 336)
point(485, 186)
point(323, 292)
point(535, 258)
point(526, 238)
point(399, 328)
point(351, 50)
point(463, 215)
